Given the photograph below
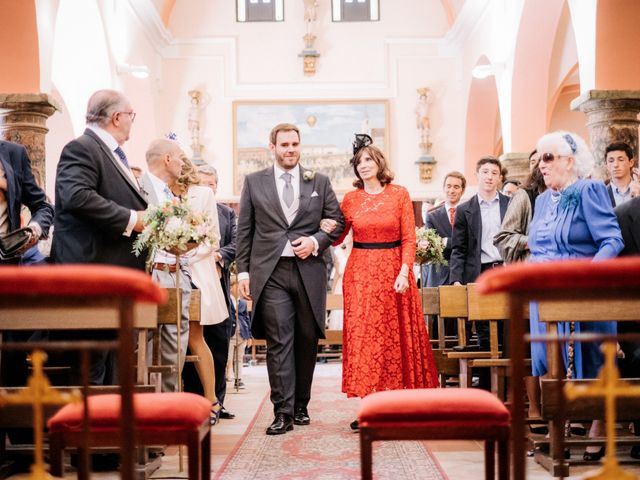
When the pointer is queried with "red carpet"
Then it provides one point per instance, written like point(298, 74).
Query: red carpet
point(326, 449)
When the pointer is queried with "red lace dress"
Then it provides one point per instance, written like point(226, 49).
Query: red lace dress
point(385, 342)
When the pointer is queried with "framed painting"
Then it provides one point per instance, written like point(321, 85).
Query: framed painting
point(327, 131)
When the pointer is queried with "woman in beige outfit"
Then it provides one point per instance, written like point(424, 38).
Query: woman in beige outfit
point(205, 277)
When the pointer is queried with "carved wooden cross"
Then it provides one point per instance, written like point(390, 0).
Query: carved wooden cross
point(609, 386)
point(39, 393)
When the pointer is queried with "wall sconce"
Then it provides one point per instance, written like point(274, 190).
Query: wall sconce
point(137, 71)
point(427, 164)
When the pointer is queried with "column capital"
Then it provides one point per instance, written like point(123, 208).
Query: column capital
point(23, 119)
point(517, 163)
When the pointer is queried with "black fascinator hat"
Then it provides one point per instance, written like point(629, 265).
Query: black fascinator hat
point(362, 140)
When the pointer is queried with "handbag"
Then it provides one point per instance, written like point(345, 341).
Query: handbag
point(11, 245)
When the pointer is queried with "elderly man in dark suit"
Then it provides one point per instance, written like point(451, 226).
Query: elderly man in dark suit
point(472, 250)
point(99, 206)
point(281, 267)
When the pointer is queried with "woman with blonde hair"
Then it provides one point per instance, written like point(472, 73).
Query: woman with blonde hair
point(213, 309)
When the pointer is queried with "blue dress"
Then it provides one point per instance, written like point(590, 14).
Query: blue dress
point(575, 223)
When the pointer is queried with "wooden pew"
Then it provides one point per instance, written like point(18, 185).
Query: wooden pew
point(454, 304)
point(431, 307)
point(579, 309)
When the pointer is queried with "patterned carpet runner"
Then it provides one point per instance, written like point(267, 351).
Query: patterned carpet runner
point(325, 450)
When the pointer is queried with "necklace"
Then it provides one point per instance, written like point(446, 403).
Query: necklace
point(374, 192)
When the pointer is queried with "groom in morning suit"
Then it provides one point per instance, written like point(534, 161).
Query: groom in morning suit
point(99, 206)
point(280, 265)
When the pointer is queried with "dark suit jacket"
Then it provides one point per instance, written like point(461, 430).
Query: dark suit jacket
point(22, 188)
point(464, 265)
point(94, 199)
point(438, 219)
point(228, 234)
point(629, 219)
point(263, 232)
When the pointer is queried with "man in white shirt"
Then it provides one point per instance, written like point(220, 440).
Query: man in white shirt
point(619, 163)
point(164, 168)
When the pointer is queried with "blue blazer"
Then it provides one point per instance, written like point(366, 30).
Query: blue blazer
point(438, 219)
point(22, 188)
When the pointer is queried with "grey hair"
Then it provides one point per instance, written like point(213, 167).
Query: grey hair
point(569, 144)
point(102, 104)
point(208, 170)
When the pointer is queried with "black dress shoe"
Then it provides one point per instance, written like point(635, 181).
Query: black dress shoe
point(226, 414)
point(281, 424)
point(593, 456)
point(355, 426)
point(301, 416)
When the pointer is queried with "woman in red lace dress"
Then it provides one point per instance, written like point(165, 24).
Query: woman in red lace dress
point(385, 342)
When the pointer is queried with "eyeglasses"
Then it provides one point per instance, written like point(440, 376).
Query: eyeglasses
point(550, 157)
point(131, 114)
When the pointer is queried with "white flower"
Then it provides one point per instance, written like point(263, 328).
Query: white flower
point(174, 225)
point(308, 175)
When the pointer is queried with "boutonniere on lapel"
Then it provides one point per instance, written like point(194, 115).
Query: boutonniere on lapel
point(569, 198)
point(308, 175)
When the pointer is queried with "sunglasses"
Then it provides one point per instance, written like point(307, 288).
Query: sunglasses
point(550, 157)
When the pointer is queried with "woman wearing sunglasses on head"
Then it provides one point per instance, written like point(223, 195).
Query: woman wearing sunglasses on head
point(573, 219)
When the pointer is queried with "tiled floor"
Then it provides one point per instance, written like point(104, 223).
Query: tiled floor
point(461, 460)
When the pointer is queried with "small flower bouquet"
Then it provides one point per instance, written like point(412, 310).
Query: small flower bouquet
point(174, 227)
point(429, 247)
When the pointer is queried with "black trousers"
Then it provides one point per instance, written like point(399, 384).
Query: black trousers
point(292, 337)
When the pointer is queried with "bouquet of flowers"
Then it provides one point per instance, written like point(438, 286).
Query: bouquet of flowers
point(174, 227)
point(429, 247)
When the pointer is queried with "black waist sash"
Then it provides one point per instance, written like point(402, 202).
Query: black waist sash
point(377, 246)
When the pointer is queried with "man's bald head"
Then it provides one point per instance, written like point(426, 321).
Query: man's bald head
point(163, 158)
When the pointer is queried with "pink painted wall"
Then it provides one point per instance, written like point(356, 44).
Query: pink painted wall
point(617, 41)
point(19, 59)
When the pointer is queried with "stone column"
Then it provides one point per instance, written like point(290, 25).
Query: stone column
point(23, 118)
point(517, 163)
point(612, 116)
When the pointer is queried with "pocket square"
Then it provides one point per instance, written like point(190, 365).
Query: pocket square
point(314, 194)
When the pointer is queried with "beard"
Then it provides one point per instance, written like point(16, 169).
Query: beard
point(287, 162)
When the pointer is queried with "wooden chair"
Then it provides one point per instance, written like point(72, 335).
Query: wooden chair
point(435, 414)
point(107, 296)
point(559, 287)
point(431, 308)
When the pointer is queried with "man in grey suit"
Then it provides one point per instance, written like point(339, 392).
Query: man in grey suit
point(280, 265)
point(99, 206)
point(165, 167)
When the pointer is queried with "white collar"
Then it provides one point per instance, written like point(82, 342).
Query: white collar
point(158, 184)
point(105, 136)
point(295, 171)
point(490, 202)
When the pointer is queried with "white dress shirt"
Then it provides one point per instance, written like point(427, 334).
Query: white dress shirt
point(491, 224)
point(112, 144)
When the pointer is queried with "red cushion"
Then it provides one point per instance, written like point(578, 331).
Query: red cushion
point(439, 405)
point(79, 280)
point(167, 411)
point(582, 273)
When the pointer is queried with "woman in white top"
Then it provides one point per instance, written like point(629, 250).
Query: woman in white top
point(213, 309)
